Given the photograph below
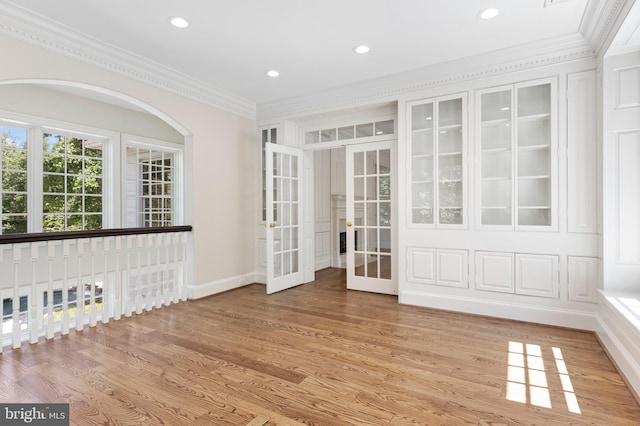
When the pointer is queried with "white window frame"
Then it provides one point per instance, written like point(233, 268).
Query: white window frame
point(113, 174)
point(128, 140)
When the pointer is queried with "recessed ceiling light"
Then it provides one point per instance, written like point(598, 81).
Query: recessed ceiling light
point(179, 22)
point(361, 50)
point(273, 73)
point(489, 13)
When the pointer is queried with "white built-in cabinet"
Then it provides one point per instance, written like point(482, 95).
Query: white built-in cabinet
point(525, 274)
point(443, 267)
point(437, 154)
point(516, 137)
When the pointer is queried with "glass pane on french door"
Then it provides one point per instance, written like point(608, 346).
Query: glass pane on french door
point(283, 218)
point(369, 211)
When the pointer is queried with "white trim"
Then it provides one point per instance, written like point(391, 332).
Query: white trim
point(621, 340)
point(220, 286)
point(514, 311)
point(20, 24)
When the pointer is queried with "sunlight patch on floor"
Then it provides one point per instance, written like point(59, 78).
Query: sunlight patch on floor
point(527, 379)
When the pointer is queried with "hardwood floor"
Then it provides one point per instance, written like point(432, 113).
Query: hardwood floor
point(318, 354)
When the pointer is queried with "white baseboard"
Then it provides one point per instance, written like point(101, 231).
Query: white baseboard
point(514, 311)
point(208, 289)
point(621, 340)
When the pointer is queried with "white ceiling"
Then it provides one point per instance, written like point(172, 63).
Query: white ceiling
point(230, 44)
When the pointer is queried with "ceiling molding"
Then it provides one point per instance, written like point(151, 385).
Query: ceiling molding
point(34, 29)
point(601, 21)
point(517, 58)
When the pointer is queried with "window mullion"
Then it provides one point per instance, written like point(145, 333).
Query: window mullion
point(35, 158)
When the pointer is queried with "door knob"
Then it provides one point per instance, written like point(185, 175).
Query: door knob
point(272, 225)
point(349, 224)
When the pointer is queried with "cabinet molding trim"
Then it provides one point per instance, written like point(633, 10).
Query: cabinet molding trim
point(581, 320)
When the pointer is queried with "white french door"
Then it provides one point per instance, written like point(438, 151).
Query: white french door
point(370, 257)
point(284, 217)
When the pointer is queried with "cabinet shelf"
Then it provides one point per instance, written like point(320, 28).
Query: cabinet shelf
point(423, 181)
point(450, 207)
point(450, 180)
point(534, 117)
point(495, 207)
point(534, 177)
point(497, 178)
point(450, 154)
point(450, 127)
point(534, 207)
point(495, 122)
point(422, 156)
point(425, 130)
point(536, 147)
point(495, 150)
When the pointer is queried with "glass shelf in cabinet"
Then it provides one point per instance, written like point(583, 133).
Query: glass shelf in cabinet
point(495, 150)
point(450, 154)
point(534, 117)
point(422, 130)
point(534, 147)
point(495, 122)
point(534, 177)
point(496, 178)
point(521, 207)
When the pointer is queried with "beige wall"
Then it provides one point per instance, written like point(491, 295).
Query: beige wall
point(220, 155)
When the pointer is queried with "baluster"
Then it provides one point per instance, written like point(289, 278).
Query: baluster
point(51, 252)
point(183, 269)
point(127, 281)
point(159, 271)
point(150, 280)
point(65, 287)
point(1, 306)
point(34, 323)
point(117, 294)
point(17, 256)
point(167, 287)
point(80, 287)
point(92, 284)
point(106, 288)
point(176, 279)
point(139, 277)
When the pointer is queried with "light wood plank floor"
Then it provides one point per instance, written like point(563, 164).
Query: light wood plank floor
point(319, 354)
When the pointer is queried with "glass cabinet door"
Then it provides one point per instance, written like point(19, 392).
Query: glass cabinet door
point(437, 161)
point(422, 163)
point(516, 174)
point(496, 141)
point(534, 155)
point(449, 162)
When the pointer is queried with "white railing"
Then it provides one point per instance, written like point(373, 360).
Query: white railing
point(53, 283)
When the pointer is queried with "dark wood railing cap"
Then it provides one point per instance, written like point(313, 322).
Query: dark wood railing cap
point(71, 235)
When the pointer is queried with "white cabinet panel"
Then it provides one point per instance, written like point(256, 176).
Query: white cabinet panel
point(494, 271)
point(537, 275)
point(438, 266)
point(421, 265)
point(627, 203)
point(583, 279)
point(452, 268)
point(582, 153)
point(627, 90)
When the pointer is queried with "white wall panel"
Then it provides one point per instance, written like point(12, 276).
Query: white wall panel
point(494, 271)
point(583, 278)
point(421, 265)
point(537, 275)
point(452, 268)
point(627, 87)
point(627, 197)
point(582, 152)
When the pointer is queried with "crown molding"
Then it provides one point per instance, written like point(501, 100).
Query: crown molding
point(25, 26)
point(558, 50)
point(601, 22)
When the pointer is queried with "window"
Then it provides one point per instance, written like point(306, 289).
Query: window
point(14, 180)
point(150, 184)
point(56, 177)
point(72, 183)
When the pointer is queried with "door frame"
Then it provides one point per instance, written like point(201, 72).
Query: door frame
point(309, 199)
